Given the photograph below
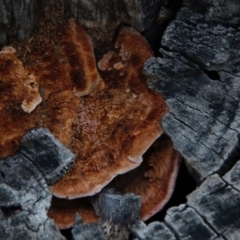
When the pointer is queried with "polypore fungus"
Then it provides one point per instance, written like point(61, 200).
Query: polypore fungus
point(116, 125)
point(63, 211)
point(58, 60)
point(78, 48)
point(108, 130)
point(14, 123)
point(33, 95)
point(153, 180)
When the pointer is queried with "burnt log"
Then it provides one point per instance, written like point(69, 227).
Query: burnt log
point(101, 18)
point(24, 194)
point(18, 18)
point(117, 213)
point(212, 212)
point(50, 156)
point(207, 32)
point(204, 117)
point(153, 231)
point(203, 121)
point(87, 231)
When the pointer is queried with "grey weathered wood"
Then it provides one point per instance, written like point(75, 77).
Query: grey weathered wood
point(87, 231)
point(18, 18)
point(24, 194)
point(233, 176)
point(204, 118)
point(204, 115)
point(5, 19)
point(102, 18)
point(187, 224)
point(106, 15)
point(117, 213)
point(50, 156)
point(153, 231)
point(212, 211)
point(219, 204)
point(207, 31)
point(25, 16)
point(24, 201)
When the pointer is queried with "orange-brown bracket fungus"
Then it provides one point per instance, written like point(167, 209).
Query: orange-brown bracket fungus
point(51, 67)
point(78, 48)
point(116, 124)
point(14, 122)
point(64, 210)
point(109, 129)
point(153, 180)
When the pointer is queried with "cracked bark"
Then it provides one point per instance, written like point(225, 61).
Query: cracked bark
point(117, 213)
point(101, 18)
point(88, 231)
point(24, 194)
point(203, 120)
point(203, 124)
point(211, 212)
point(207, 31)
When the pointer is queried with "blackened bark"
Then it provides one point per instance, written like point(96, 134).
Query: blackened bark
point(87, 231)
point(50, 156)
point(207, 32)
point(117, 213)
point(24, 194)
point(211, 212)
point(204, 117)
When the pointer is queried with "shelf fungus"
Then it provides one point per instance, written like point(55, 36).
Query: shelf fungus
point(153, 181)
point(107, 118)
point(116, 124)
point(51, 68)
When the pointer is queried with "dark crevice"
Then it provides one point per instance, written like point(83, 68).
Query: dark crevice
point(232, 160)
point(185, 184)
point(167, 13)
point(9, 211)
point(67, 233)
point(212, 75)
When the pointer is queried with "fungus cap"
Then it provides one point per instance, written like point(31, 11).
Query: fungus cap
point(78, 47)
point(116, 125)
point(33, 97)
point(153, 180)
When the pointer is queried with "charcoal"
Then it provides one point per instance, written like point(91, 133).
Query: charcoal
point(87, 231)
point(117, 213)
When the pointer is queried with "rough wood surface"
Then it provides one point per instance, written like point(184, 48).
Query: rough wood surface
point(18, 18)
point(203, 121)
point(24, 194)
point(50, 156)
point(87, 231)
point(101, 18)
point(117, 213)
point(204, 117)
point(24, 201)
point(153, 231)
point(204, 113)
point(207, 31)
point(211, 212)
